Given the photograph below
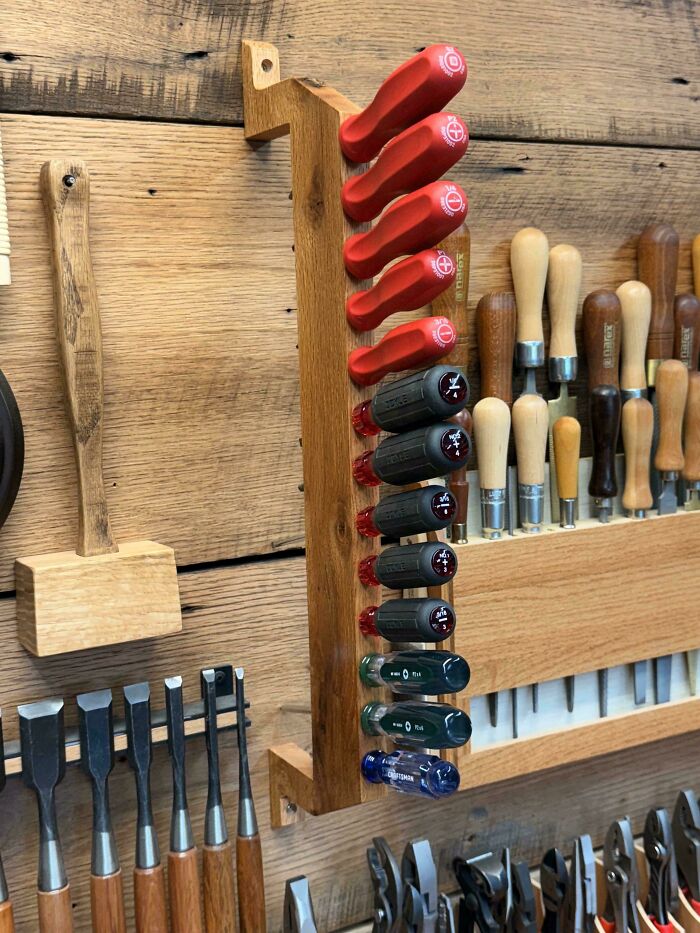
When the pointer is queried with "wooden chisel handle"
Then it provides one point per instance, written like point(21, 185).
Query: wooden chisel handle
point(7, 918)
point(657, 265)
point(691, 467)
point(491, 434)
point(563, 288)
point(637, 432)
point(686, 335)
point(452, 303)
point(529, 258)
point(458, 484)
point(65, 186)
point(566, 432)
point(635, 306)
point(696, 265)
point(55, 911)
point(495, 334)
point(219, 898)
point(602, 333)
point(530, 429)
point(251, 885)
point(183, 889)
point(4, 233)
point(107, 903)
point(605, 429)
point(672, 393)
point(149, 900)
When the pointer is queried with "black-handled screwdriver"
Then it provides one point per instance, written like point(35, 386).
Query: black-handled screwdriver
point(414, 456)
point(415, 401)
point(430, 508)
point(428, 563)
point(427, 673)
point(419, 619)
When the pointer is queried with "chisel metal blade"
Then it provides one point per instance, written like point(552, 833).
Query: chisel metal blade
point(668, 499)
point(693, 659)
point(603, 692)
point(570, 685)
point(514, 705)
point(492, 699)
point(662, 678)
point(563, 406)
point(639, 676)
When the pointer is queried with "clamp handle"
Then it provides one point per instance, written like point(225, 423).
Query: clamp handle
point(419, 155)
point(637, 433)
point(416, 221)
point(421, 86)
point(635, 307)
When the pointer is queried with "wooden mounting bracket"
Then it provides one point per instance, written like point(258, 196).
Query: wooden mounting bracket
point(311, 115)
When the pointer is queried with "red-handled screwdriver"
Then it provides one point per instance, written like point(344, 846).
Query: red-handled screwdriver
point(405, 347)
point(419, 155)
point(416, 221)
point(421, 86)
point(407, 286)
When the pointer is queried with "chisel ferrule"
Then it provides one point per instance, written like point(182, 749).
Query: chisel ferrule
point(529, 354)
point(147, 851)
point(567, 513)
point(4, 891)
point(652, 366)
point(215, 829)
point(181, 836)
point(493, 512)
point(105, 860)
point(563, 368)
point(636, 513)
point(52, 874)
point(531, 504)
point(459, 533)
point(627, 394)
point(604, 508)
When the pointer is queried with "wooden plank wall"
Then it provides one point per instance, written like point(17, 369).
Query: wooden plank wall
point(585, 120)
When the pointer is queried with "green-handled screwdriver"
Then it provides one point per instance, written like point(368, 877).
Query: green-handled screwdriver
point(427, 725)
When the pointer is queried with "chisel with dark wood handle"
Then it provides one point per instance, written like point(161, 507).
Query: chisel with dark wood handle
point(419, 87)
point(602, 334)
point(686, 334)
point(657, 262)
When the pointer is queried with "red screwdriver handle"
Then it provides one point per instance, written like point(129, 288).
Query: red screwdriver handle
point(417, 221)
point(421, 86)
point(419, 155)
point(417, 343)
point(407, 286)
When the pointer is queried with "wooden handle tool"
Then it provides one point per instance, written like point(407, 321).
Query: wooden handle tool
point(635, 305)
point(672, 393)
point(529, 258)
point(183, 888)
point(686, 336)
point(563, 289)
point(453, 301)
point(491, 434)
point(691, 431)
point(696, 265)
point(55, 911)
point(605, 429)
point(602, 333)
point(637, 432)
point(530, 428)
point(458, 484)
point(657, 265)
point(7, 917)
point(219, 883)
point(495, 334)
point(151, 909)
point(107, 903)
point(5, 277)
point(566, 432)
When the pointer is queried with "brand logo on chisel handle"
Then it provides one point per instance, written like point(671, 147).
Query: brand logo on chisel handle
point(686, 342)
point(608, 346)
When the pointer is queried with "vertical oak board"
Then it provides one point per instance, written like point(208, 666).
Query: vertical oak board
point(332, 498)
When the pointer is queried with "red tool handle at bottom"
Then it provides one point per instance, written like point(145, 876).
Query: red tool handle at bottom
point(149, 900)
point(7, 918)
point(55, 911)
point(417, 343)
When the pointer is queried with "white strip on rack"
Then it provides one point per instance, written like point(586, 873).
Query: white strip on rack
point(4, 228)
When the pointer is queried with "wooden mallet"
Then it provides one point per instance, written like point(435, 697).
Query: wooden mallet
point(101, 593)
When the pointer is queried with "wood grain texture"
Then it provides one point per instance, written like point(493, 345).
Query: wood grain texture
point(150, 906)
point(602, 335)
point(183, 891)
point(107, 903)
point(251, 884)
point(635, 307)
point(167, 379)
point(55, 911)
point(5, 276)
point(7, 918)
point(637, 433)
point(672, 393)
point(330, 850)
point(182, 62)
point(657, 264)
point(218, 888)
point(495, 337)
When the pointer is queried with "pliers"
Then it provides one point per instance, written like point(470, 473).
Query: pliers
point(298, 915)
point(663, 876)
point(554, 882)
point(388, 887)
point(420, 893)
point(686, 842)
point(485, 881)
point(620, 863)
point(580, 902)
point(524, 914)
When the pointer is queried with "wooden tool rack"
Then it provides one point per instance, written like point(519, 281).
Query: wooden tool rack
point(529, 608)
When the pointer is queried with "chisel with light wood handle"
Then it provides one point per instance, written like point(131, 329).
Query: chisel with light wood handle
point(530, 427)
point(529, 259)
point(691, 475)
point(686, 335)
point(419, 87)
point(419, 155)
point(635, 307)
point(4, 227)
point(672, 393)
point(637, 432)
point(454, 299)
point(491, 434)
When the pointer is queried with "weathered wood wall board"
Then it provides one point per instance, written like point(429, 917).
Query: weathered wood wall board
point(192, 246)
